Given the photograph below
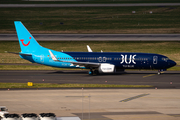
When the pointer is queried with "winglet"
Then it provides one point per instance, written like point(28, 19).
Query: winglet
point(89, 49)
point(53, 57)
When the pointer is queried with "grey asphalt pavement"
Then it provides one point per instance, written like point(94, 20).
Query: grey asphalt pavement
point(89, 5)
point(96, 104)
point(96, 37)
point(169, 79)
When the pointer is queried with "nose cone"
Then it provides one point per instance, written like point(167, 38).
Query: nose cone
point(171, 63)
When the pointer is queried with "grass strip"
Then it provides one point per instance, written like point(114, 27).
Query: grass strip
point(169, 49)
point(83, 1)
point(52, 85)
point(164, 19)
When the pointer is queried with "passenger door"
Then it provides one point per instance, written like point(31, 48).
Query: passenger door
point(155, 59)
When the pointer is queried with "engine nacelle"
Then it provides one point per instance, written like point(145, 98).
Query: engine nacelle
point(106, 68)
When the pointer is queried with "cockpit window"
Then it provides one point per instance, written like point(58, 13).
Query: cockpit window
point(165, 59)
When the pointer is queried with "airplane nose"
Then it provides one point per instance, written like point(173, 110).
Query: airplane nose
point(172, 63)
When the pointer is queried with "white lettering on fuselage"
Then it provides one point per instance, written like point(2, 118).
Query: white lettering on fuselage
point(128, 66)
point(125, 59)
point(106, 68)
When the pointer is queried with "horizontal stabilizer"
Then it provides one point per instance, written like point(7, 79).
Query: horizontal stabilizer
point(26, 54)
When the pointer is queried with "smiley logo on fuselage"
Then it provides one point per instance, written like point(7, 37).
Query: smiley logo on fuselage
point(22, 40)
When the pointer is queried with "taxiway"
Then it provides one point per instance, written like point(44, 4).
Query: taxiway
point(96, 37)
point(169, 79)
point(89, 5)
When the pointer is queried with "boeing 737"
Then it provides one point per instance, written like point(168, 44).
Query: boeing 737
point(96, 62)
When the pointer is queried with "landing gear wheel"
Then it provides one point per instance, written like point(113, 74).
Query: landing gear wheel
point(90, 72)
point(96, 72)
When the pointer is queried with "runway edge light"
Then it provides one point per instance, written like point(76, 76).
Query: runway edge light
point(30, 83)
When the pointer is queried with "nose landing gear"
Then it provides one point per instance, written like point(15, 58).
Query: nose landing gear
point(161, 71)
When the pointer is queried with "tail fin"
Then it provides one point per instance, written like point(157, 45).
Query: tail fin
point(27, 42)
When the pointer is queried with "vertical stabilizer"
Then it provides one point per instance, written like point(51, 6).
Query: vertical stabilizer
point(27, 42)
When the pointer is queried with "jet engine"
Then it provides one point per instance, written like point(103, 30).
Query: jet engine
point(106, 68)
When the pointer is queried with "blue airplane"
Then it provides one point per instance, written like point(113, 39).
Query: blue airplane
point(97, 62)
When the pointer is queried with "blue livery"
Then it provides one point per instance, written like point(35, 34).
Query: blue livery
point(97, 62)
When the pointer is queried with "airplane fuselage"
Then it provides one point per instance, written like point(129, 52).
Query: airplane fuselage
point(98, 62)
point(121, 60)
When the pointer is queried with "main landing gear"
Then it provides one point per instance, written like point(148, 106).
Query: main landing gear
point(92, 72)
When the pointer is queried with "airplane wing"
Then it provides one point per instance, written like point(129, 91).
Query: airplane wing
point(85, 64)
